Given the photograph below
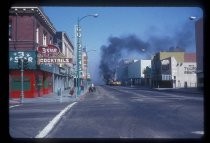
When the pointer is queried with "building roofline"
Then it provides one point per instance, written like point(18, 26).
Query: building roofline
point(39, 11)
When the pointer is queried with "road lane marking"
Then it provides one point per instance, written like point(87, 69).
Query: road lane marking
point(53, 122)
point(14, 106)
point(198, 132)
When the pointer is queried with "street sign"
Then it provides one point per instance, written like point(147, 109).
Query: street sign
point(30, 56)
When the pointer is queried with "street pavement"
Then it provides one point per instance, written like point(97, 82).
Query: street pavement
point(27, 120)
point(66, 97)
point(35, 113)
point(123, 112)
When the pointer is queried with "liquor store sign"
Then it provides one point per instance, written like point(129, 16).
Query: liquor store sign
point(49, 54)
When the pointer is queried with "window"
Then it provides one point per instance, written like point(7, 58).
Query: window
point(64, 48)
point(44, 38)
point(16, 84)
point(50, 40)
point(166, 77)
point(37, 34)
point(10, 30)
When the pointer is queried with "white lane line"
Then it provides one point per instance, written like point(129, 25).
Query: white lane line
point(54, 121)
point(13, 106)
point(198, 132)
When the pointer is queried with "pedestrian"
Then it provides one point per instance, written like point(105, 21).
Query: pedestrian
point(93, 87)
point(71, 91)
point(90, 89)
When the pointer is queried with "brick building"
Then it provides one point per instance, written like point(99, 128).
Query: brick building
point(29, 28)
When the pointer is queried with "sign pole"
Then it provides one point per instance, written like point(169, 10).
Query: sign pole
point(22, 90)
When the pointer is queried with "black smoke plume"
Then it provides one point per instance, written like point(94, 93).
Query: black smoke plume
point(114, 51)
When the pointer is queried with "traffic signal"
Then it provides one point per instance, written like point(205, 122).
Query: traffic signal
point(25, 63)
point(19, 63)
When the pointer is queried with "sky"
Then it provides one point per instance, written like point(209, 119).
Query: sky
point(160, 27)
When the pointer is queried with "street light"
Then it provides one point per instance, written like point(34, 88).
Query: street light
point(79, 50)
point(87, 62)
point(192, 17)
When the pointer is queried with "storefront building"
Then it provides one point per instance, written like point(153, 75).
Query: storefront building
point(29, 28)
point(64, 78)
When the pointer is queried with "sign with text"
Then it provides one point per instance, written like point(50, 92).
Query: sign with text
point(49, 50)
point(49, 54)
point(190, 69)
point(55, 60)
point(15, 55)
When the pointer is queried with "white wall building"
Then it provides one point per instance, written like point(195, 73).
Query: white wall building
point(179, 74)
point(136, 69)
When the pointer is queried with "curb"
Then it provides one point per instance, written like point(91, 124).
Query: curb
point(178, 91)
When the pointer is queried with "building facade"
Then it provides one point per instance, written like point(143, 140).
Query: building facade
point(122, 71)
point(131, 72)
point(199, 52)
point(64, 79)
point(29, 28)
point(174, 70)
point(135, 71)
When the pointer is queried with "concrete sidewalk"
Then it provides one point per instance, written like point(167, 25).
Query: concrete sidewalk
point(189, 90)
point(50, 98)
point(181, 90)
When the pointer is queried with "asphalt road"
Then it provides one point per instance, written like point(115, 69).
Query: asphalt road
point(122, 112)
point(27, 120)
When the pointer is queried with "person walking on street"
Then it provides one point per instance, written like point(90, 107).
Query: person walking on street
point(93, 87)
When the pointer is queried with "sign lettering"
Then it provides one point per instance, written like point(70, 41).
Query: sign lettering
point(191, 69)
point(48, 50)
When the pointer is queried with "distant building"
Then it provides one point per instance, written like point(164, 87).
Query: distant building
point(147, 76)
point(199, 52)
point(174, 69)
point(64, 79)
point(135, 71)
point(130, 72)
point(122, 71)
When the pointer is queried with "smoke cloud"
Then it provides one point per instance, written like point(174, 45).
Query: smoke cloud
point(112, 53)
point(121, 47)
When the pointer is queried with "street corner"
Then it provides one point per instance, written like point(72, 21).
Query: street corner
point(14, 103)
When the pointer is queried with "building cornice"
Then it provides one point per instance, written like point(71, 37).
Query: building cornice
point(36, 10)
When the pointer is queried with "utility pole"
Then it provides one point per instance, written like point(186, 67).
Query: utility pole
point(79, 51)
point(22, 63)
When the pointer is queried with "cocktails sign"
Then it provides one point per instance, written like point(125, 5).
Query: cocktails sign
point(49, 54)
